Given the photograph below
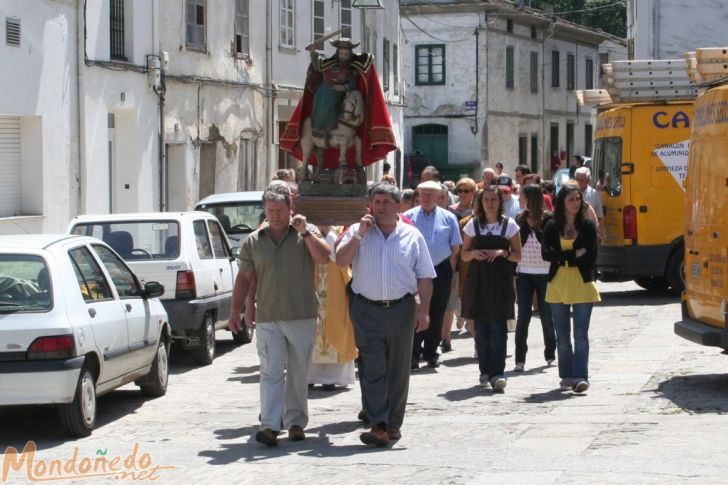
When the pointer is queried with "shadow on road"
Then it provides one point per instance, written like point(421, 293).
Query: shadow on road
point(467, 393)
point(637, 298)
point(550, 396)
point(41, 424)
point(316, 445)
point(459, 361)
point(702, 393)
point(181, 361)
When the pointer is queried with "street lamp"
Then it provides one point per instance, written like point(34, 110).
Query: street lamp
point(373, 4)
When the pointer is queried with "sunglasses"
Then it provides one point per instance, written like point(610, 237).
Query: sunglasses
point(462, 191)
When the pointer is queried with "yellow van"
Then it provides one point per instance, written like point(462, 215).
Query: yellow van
point(704, 319)
point(639, 164)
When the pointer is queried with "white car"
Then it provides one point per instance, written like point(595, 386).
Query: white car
point(240, 213)
point(75, 323)
point(190, 255)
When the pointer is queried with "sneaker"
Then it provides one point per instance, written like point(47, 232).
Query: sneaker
point(446, 346)
point(520, 367)
point(581, 386)
point(566, 384)
point(267, 437)
point(484, 382)
point(550, 362)
point(500, 384)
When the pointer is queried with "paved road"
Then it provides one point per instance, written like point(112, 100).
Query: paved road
point(654, 414)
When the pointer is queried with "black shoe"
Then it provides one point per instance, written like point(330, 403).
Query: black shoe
point(267, 437)
point(363, 417)
point(328, 387)
point(415, 364)
point(433, 363)
point(446, 346)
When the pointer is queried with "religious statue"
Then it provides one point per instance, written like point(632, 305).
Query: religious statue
point(342, 119)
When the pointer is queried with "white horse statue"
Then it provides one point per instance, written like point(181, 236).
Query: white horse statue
point(342, 136)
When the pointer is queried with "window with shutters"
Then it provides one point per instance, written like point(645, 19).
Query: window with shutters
point(510, 75)
point(242, 28)
point(385, 70)
point(534, 72)
point(319, 20)
point(345, 17)
point(116, 24)
point(12, 31)
point(555, 81)
point(430, 64)
point(589, 74)
point(395, 68)
point(570, 72)
point(288, 24)
point(195, 25)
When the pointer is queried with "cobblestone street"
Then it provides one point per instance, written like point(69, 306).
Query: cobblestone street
point(652, 415)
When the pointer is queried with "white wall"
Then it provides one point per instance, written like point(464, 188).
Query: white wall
point(41, 89)
point(666, 29)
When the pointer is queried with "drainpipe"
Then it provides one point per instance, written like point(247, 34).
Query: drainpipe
point(267, 82)
point(80, 85)
point(474, 129)
point(156, 45)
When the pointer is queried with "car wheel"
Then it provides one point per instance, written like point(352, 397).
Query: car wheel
point(676, 271)
point(156, 383)
point(205, 354)
point(244, 336)
point(650, 283)
point(78, 418)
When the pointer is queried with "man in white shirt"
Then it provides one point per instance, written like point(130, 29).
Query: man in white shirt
point(588, 193)
point(511, 207)
point(390, 264)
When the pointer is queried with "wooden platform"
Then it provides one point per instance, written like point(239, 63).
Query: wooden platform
point(331, 210)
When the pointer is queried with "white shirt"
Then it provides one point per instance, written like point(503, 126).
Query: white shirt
point(511, 206)
point(387, 269)
point(495, 229)
point(531, 260)
point(591, 197)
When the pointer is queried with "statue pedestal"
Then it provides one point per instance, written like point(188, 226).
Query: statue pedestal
point(330, 204)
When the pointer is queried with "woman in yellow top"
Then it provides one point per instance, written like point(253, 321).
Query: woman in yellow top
point(570, 245)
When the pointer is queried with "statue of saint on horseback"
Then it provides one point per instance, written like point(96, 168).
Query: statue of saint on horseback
point(342, 119)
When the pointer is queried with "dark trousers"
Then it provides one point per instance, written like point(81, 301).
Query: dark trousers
point(527, 285)
point(491, 339)
point(425, 343)
point(384, 339)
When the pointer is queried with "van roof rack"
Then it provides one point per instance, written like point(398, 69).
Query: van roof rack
point(707, 65)
point(592, 98)
point(648, 80)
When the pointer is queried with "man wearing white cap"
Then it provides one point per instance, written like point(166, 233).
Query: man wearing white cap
point(442, 235)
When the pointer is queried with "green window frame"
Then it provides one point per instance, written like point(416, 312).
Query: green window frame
point(430, 64)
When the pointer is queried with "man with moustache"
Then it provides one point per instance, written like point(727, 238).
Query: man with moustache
point(390, 265)
point(280, 258)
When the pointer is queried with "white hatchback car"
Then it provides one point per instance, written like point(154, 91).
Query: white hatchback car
point(75, 322)
point(190, 255)
point(240, 213)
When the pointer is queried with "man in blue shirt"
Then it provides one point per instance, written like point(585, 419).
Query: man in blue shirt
point(442, 235)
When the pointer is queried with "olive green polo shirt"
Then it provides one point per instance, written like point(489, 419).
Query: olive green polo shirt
point(285, 274)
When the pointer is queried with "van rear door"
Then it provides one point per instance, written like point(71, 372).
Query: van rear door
point(612, 168)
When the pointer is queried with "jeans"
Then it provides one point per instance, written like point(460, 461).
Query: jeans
point(573, 360)
point(526, 286)
point(490, 342)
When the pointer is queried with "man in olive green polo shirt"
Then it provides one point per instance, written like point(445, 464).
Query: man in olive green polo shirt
point(281, 256)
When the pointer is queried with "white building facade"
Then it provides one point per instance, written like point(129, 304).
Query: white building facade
point(667, 29)
point(491, 83)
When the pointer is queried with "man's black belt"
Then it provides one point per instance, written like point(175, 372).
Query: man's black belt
point(383, 303)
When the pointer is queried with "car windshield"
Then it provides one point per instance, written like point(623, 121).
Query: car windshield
point(136, 240)
point(24, 284)
point(236, 217)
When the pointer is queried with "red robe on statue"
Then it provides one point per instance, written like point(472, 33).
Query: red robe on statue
point(375, 131)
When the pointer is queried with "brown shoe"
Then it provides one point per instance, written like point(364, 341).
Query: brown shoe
point(295, 433)
point(267, 437)
point(393, 433)
point(376, 436)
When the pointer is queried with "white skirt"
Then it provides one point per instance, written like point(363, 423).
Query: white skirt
point(337, 374)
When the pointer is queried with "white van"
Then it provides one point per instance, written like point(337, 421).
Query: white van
point(240, 213)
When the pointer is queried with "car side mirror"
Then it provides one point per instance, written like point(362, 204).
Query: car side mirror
point(235, 252)
point(152, 289)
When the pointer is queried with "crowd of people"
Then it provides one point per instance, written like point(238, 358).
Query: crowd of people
point(386, 291)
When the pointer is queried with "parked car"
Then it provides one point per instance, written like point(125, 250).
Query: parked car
point(240, 213)
point(189, 253)
point(75, 323)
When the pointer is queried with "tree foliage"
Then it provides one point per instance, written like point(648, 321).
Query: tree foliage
point(608, 15)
